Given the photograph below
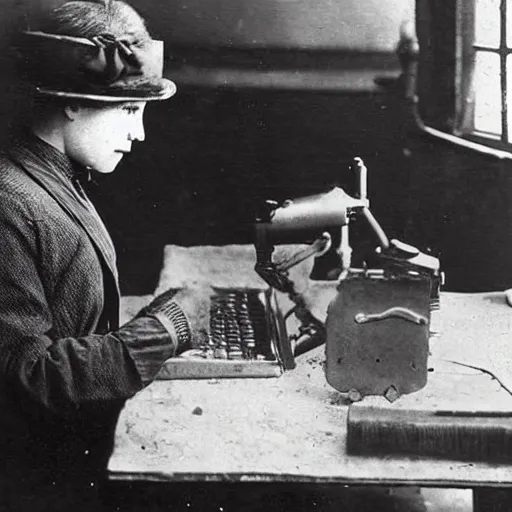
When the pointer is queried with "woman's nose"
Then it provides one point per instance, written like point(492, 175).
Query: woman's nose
point(136, 131)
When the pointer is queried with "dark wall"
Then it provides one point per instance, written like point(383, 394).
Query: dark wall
point(463, 209)
point(212, 156)
point(367, 25)
point(8, 98)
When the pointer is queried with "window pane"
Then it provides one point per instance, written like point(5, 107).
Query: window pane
point(509, 23)
point(487, 23)
point(487, 93)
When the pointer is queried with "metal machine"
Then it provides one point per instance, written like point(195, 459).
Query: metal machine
point(378, 326)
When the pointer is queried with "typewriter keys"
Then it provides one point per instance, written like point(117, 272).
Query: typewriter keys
point(238, 327)
point(247, 339)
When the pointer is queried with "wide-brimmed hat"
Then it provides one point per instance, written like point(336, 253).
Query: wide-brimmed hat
point(100, 67)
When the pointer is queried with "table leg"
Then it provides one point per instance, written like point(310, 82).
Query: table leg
point(492, 499)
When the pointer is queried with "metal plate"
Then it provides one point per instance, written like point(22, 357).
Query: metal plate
point(383, 357)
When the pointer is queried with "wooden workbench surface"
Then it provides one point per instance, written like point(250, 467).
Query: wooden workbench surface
point(293, 428)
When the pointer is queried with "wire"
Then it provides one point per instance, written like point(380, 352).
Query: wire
point(484, 370)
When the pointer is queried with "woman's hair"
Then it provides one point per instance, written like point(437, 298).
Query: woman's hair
point(91, 18)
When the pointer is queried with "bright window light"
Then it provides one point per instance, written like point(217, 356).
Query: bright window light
point(487, 93)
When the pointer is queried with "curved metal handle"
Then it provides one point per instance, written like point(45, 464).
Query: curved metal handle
point(397, 312)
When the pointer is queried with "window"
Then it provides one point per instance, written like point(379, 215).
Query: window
point(484, 71)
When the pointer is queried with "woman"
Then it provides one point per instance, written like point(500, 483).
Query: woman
point(66, 367)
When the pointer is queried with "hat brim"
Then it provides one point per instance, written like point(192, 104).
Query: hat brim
point(168, 90)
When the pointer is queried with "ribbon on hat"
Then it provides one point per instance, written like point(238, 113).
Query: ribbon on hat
point(113, 60)
point(105, 60)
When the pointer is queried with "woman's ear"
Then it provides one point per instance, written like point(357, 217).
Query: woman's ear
point(71, 111)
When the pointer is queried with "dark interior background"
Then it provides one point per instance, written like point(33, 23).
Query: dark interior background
point(275, 99)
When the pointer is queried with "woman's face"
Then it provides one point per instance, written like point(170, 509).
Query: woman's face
point(99, 137)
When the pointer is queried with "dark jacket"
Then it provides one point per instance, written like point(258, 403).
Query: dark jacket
point(66, 368)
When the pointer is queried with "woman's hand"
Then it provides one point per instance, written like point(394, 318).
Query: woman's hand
point(194, 303)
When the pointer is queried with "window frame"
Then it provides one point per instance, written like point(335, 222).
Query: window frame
point(466, 51)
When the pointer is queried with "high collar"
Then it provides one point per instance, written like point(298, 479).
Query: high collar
point(42, 150)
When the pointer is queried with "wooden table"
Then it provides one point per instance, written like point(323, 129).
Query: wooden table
point(292, 429)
